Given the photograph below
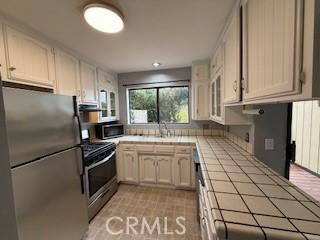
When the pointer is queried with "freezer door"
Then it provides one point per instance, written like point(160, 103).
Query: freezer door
point(38, 124)
point(48, 198)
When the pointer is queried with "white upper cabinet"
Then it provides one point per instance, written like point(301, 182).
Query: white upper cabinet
point(88, 76)
point(108, 96)
point(271, 48)
point(200, 71)
point(216, 61)
point(29, 61)
point(226, 115)
point(216, 106)
point(107, 79)
point(67, 74)
point(231, 56)
point(200, 90)
point(3, 69)
point(201, 100)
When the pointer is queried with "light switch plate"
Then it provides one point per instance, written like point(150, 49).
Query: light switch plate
point(269, 144)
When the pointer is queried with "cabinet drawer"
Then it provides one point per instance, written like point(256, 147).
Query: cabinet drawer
point(145, 148)
point(126, 147)
point(165, 149)
point(183, 149)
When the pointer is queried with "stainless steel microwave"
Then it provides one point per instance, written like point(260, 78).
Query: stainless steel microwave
point(106, 131)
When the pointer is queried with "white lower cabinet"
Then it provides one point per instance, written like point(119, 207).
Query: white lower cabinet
point(147, 169)
point(155, 169)
point(129, 167)
point(156, 164)
point(183, 170)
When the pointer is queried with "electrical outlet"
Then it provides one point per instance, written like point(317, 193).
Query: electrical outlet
point(269, 144)
point(247, 138)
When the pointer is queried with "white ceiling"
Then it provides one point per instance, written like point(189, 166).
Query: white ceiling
point(173, 32)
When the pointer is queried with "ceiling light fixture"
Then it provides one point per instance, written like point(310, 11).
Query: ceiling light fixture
point(156, 64)
point(103, 17)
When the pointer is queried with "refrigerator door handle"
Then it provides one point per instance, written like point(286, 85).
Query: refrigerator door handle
point(81, 169)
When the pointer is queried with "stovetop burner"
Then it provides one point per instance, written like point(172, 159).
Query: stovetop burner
point(94, 152)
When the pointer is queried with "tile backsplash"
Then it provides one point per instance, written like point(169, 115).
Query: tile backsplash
point(239, 141)
point(194, 132)
point(177, 132)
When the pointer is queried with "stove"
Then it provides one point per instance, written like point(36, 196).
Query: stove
point(100, 173)
point(95, 152)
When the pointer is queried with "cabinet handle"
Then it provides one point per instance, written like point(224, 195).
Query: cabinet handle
point(235, 85)
point(12, 68)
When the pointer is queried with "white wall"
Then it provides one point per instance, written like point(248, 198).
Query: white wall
point(306, 133)
point(272, 124)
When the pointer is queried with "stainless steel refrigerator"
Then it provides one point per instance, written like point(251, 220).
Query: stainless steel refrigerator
point(43, 133)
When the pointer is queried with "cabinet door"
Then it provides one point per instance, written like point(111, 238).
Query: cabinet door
point(183, 172)
point(29, 60)
point(106, 78)
point(3, 69)
point(200, 72)
point(130, 167)
point(271, 48)
point(231, 66)
point(164, 169)
point(148, 169)
point(212, 99)
point(217, 61)
point(88, 76)
point(113, 109)
point(67, 73)
point(201, 100)
point(218, 96)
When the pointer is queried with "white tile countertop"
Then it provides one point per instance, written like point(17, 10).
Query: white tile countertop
point(248, 200)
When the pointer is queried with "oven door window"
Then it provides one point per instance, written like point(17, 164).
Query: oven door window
point(101, 175)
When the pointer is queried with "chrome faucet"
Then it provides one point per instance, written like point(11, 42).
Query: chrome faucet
point(166, 127)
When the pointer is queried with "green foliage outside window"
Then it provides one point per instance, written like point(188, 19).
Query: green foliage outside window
point(171, 104)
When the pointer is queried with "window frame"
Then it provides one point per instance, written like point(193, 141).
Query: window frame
point(157, 101)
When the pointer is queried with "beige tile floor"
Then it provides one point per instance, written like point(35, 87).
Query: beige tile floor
point(149, 203)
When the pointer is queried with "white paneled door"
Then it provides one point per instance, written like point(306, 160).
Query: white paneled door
point(306, 134)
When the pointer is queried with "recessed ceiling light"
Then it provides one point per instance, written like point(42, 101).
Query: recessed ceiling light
point(156, 64)
point(103, 17)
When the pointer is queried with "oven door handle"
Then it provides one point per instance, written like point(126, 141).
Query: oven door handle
point(101, 162)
